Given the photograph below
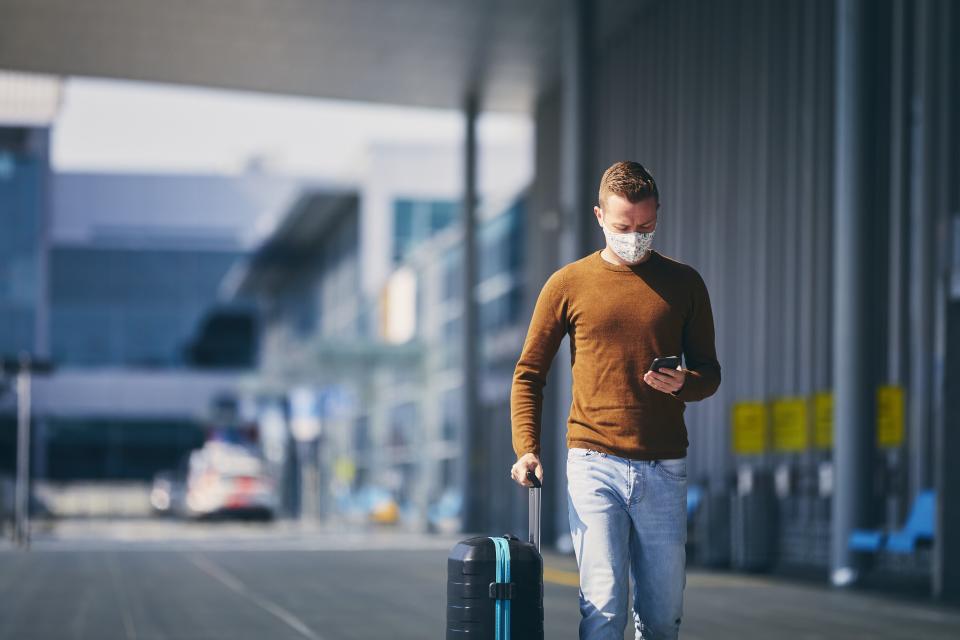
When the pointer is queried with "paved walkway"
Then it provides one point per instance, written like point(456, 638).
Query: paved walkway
point(152, 581)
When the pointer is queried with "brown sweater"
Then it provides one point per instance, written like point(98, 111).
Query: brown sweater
point(619, 317)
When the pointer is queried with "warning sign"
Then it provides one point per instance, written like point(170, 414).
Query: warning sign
point(823, 420)
point(749, 435)
point(791, 426)
point(890, 416)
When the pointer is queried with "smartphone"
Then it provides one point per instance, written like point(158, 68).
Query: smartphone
point(665, 362)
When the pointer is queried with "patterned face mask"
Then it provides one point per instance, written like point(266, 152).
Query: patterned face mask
point(632, 246)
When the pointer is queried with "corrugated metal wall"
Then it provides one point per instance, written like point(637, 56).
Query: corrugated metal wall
point(731, 106)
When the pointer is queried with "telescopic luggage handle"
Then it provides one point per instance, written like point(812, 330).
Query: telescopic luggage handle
point(534, 523)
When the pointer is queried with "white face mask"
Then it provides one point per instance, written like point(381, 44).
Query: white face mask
point(632, 246)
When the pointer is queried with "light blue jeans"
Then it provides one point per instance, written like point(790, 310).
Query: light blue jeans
point(628, 514)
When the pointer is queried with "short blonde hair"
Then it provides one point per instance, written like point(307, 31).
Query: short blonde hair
point(630, 180)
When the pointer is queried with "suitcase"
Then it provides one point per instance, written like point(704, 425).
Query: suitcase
point(495, 584)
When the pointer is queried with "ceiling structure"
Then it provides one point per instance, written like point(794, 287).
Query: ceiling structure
point(411, 52)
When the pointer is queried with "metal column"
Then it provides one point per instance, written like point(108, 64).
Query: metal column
point(575, 150)
point(921, 247)
point(475, 498)
point(945, 578)
point(853, 432)
point(540, 261)
point(22, 498)
point(576, 215)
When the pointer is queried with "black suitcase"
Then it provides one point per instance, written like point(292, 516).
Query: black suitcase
point(480, 602)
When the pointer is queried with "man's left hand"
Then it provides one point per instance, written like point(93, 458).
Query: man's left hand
point(666, 380)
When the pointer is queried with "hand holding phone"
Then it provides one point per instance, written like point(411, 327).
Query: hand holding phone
point(665, 362)
point(665, 375)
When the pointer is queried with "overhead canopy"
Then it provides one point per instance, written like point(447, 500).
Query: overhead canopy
point(416, 52)
point(292, 245)
point(411, 52)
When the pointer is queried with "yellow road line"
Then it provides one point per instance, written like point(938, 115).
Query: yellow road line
point(572, 579)
point(731, 580)
point(558, 576)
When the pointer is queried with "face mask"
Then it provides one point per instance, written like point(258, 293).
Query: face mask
point(632, 246)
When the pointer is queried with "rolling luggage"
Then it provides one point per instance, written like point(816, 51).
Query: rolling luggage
point(495, 584)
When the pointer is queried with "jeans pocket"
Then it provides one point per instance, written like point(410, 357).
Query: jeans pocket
point(673, 468)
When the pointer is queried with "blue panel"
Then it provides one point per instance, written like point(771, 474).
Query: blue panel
point(919, 526)
point(921, 520)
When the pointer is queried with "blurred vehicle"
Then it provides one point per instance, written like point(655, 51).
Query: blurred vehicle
point(167, 493)
point(444, 515)
point(229, 478)
point(371, 504)
point(385, 512)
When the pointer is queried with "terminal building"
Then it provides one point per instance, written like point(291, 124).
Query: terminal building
point(806, 155)
point(113, 278)
point(378, 355)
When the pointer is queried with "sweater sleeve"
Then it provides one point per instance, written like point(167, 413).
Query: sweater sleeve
point(547, 328)
point(699, 348)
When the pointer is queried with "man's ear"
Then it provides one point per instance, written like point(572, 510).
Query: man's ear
point(596, 213)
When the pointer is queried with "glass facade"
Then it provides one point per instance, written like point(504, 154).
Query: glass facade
point(22, 182)
point(139, 307)
point(416, 220)
point(406, 436)
point(501, 242)
point(117, 449)
point(500, 263)
point(317, 297)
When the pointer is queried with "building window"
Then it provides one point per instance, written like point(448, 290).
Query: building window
point(416, 220)
point(403, 425)
point(452, 415)
point(501, 241)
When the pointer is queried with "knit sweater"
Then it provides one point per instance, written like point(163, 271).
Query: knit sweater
point(619, 318)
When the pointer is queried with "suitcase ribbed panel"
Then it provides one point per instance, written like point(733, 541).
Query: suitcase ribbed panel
point(471, 568)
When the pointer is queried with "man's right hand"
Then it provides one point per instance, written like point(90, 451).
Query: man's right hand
point(528, 461)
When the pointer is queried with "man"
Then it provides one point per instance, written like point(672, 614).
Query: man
point(622, 306)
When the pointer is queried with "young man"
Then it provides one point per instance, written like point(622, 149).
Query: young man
point(623, 306)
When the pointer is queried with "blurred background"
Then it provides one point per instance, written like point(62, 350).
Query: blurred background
point(266, 269)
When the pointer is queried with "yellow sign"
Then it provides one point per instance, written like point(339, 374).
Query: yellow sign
point(890, 416)
point(791, 430)
point(749, 427)
point(823, 420)
point(344, 469)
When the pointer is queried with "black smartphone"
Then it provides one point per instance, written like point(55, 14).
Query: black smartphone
point(665, 362)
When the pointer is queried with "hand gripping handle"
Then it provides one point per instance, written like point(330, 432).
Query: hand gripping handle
point(534, 523)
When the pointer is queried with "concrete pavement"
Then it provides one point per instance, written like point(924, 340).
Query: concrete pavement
point(157, 580)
